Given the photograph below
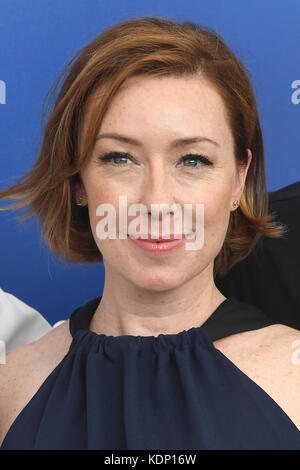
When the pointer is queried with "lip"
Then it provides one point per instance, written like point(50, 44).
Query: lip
point(147, 237)
point(157, 246)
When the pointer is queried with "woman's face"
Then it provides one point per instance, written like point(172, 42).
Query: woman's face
point(154, 112)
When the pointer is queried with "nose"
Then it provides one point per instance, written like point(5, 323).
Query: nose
point(157, 188)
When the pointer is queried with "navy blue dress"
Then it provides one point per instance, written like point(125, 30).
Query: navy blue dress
point(173, 391)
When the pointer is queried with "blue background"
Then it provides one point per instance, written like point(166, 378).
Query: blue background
point(38, 37)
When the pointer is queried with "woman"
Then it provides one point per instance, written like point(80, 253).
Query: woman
point(161, 113)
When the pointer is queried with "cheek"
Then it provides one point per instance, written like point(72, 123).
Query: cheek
point(216, 219)
point(100, 195)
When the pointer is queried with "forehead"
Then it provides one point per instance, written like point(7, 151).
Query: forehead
point(166, 106)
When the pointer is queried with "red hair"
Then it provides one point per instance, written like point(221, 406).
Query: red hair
point(154, 47)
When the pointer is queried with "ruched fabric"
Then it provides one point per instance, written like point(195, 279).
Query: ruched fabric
point(167, 392)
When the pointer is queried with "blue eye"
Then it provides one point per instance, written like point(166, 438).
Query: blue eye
point(117, 158)
point(196, 158)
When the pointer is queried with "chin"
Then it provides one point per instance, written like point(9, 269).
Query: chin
point(158, 283)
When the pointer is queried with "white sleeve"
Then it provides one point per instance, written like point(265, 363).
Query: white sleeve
point(19, 323)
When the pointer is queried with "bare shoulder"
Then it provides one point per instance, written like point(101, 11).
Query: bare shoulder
point(270, 339)
point(270, 357)
point(39, 355)
point(26, 368)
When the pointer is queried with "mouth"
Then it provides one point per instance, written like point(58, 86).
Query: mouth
point(158, 245)
point(167, 239)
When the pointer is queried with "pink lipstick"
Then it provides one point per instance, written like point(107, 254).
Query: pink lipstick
point(159, 245)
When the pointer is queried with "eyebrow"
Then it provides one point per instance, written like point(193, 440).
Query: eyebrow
point(175, 143)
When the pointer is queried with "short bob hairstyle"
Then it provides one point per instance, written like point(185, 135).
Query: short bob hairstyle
point(154, 47)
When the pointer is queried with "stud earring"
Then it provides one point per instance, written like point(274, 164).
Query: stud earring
point(235, 204)
point(79, 201)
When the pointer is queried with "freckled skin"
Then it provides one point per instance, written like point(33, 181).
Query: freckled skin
point(155, 111)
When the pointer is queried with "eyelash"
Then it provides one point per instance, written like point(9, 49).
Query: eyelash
point(107, 157)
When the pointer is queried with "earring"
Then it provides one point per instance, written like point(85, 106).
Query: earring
point(235, 204)
point(79, 201)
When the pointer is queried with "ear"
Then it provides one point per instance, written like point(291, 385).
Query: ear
point(241, 178)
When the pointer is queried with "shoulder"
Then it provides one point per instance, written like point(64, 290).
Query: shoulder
point(270, 339)
point(26, 368)
point(19, 322)
point(278, 348)
point(270, 356)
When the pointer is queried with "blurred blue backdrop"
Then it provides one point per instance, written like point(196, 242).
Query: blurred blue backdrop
point(38, 37)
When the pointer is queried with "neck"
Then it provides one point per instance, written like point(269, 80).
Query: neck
point(127, 309)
